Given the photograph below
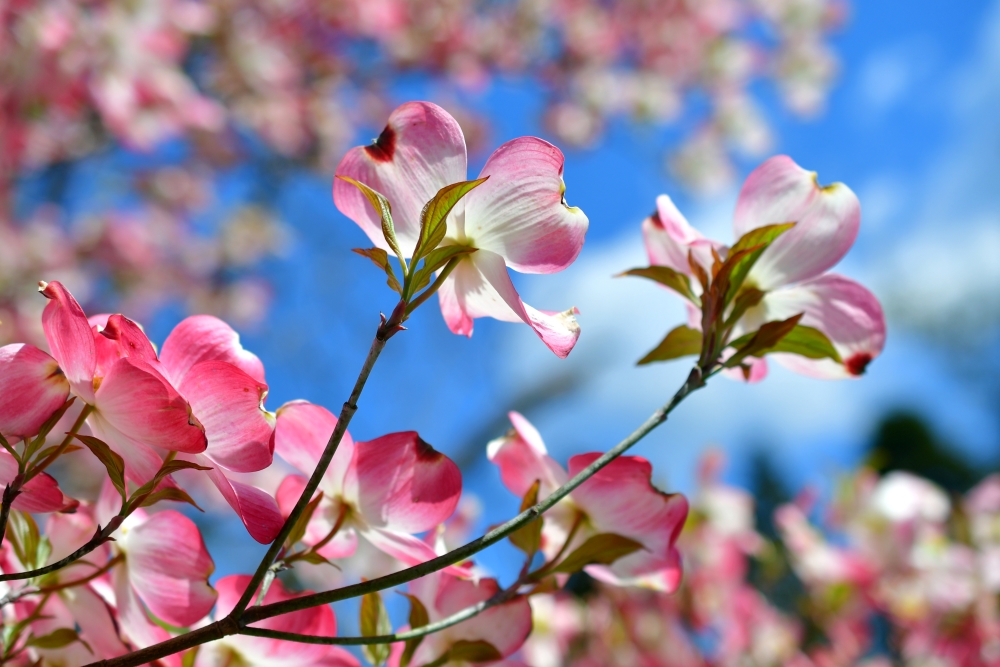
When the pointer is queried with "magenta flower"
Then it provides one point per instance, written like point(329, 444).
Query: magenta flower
point(792, 271)
point(387, 490)
point(135, 409)
point(517, 219)
point(619, 499)
point(225, 386)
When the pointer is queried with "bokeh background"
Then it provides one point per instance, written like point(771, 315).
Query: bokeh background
point(898, 100)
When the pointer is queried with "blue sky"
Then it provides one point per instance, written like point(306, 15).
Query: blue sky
point(911, 126)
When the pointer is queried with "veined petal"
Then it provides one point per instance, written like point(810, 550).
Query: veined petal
point(71, 340)
point(323, 520)
point(228, 403)
point(300, 436)
point(129, 338)
point(522, 459)
point(97, 624)
point(141, 460)
point(146, 408)
point(520, 213)
point(258, 511)
point(205, 338)
point(670, 238)
point(136, 626)
point(421, 150)
point(40, 494)
point(169, 567)
point(408, 549)
point(402, 483)
point(31, 388)
point(827, 220)
point(486, 290)
point(621, 499)
point(849, 315)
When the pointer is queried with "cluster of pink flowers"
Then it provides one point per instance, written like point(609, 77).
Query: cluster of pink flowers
point(304, 76)
point(113, 571)
point(897, 573)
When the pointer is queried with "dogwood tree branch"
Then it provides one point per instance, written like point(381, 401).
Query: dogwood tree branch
point(236, 623)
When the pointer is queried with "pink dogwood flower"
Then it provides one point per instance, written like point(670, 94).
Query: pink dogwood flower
point(38, 495)
point(262, 652)
point(619, 499)
point(32, 388)
point(386, 490)
point(517, 219)
point(135, 409)
point(203, 397)
point(792, 272)
point(225, 387)
point(505, 627)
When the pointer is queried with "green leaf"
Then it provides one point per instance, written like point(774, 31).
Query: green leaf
point(10, 450)
point(435, 260)
point(114, 463)
point(528, 538)
point(315, 559)
point(602, 549)
point(473, 651)
point(381, 259)
point(177, 495)
point(47, 427)
point(384, 210)
point(761, 341)
point(374, 622)
point(299, 529)
point(667, 277)
point(434, 217)
point(680, 342)
point(756, 241)
point(418, 619)
point(26, 539)
point(56, 639)
point(168, 468)
point(807, 342)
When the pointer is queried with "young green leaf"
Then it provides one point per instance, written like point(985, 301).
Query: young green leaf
point(25, 538)
point(528, 538)
point(473, 651)
point(46, 428)
point(169, 467)
point(374, 622)
point(602, 549)
point(381, 259)
point(761, 342)
point(807, 342)
point(680, 342)
point(756, 241)
point(10, 450)
point(299, 529)
point(418, 619)
point(434, 217)
point(114, 463)
point(175, 494)
point(384, 210)
point(667, 277)
point(57, 639)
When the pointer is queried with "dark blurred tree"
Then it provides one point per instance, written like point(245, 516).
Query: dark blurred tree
point(905, 441)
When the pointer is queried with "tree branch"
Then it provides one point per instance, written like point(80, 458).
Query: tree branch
point(236, 623)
